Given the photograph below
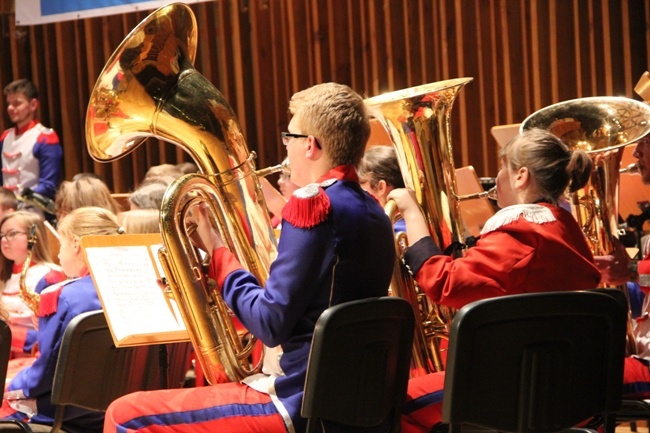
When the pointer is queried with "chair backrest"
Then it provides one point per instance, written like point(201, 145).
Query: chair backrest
point(537, 362)
point(91, 372)
point(359, 363)
point(5, 349)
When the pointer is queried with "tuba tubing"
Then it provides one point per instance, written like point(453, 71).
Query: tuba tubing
point(417, 121)
point(149, 88)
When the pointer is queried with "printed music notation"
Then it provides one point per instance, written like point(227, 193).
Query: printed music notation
point(126, 270)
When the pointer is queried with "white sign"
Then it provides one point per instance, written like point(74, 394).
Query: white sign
point(31, 12)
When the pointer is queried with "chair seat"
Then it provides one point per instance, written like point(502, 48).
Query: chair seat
point(535, 363)
point(633, 410)
point(19, 426)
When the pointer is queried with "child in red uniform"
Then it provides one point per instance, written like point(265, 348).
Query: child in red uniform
point(520, 250)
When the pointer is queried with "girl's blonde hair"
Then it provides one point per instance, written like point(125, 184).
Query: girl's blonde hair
point(41, 249)
point(140, 221)
point(337, 117)
point(84, 191)
point(551, 163)
point(86, 221)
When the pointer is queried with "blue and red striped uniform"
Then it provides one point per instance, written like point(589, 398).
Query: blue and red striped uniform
point(335, 246)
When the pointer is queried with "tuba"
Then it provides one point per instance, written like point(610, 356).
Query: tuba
point(602, 127)
point(149, 88)
point(417, 120)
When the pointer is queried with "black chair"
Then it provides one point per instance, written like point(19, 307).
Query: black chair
point(5, 349)
point(91, 372)
point(359, 365)
point(631, 410)
point(541, 363)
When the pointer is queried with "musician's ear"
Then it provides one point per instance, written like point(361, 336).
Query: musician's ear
point(76, 245)
point(522, 178)
point(381, 188)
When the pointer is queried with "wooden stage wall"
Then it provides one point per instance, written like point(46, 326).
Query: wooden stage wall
point(522, 54)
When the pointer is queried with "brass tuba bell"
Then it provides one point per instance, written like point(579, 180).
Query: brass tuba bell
point(601, 126)
point(417, 121)
point(149, 88)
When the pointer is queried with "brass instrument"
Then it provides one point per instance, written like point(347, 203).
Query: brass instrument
point(149, 88)
point(602, 127)
point(631, 169)
point(417, 120)
point(30, 298)
point(282, 167)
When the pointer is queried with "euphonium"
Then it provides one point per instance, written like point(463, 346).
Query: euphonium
point(417, 120)
point(149, 88)
point(602, 127)
point(31, 299)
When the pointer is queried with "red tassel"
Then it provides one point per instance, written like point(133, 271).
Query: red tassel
point(49, 302)
point(307, 208)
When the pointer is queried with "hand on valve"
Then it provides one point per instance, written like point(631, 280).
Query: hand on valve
point(200, 229)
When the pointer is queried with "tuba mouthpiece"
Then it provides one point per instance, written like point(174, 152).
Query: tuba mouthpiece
point(491, 194)
point(631, 169)
point(263, 172)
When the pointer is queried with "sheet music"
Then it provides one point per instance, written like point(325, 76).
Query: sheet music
point(126, 280)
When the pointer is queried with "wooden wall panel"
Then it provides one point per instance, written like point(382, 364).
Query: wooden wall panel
point(522, 54)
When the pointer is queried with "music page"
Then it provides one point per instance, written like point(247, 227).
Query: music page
point(137, 310)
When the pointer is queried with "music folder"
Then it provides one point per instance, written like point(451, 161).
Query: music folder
point(126, 269)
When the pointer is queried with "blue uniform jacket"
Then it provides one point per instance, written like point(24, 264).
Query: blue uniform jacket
point(348, 256)
point(76, 297)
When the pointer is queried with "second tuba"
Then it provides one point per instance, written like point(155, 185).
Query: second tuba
point(602, 127)
point(417, 120)
point(149, 88)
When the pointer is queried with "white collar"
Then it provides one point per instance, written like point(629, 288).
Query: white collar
point(534, 213)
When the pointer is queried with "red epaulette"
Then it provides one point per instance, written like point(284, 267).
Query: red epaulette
point(49, 302)
point(307, 207)
point(54, 276)
point(48, 136)
point(4, 134)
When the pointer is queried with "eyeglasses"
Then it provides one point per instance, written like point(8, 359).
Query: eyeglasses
point(10, 235)
point(286, 136)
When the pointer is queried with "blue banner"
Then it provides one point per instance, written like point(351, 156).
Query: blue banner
point(32, 12)
point(52, 7)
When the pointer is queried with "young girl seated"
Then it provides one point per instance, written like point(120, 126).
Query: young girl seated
point(14, 235)
point(30, 391)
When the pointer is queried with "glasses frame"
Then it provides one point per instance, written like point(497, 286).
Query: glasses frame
point(286, 136)
point(11, 235)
